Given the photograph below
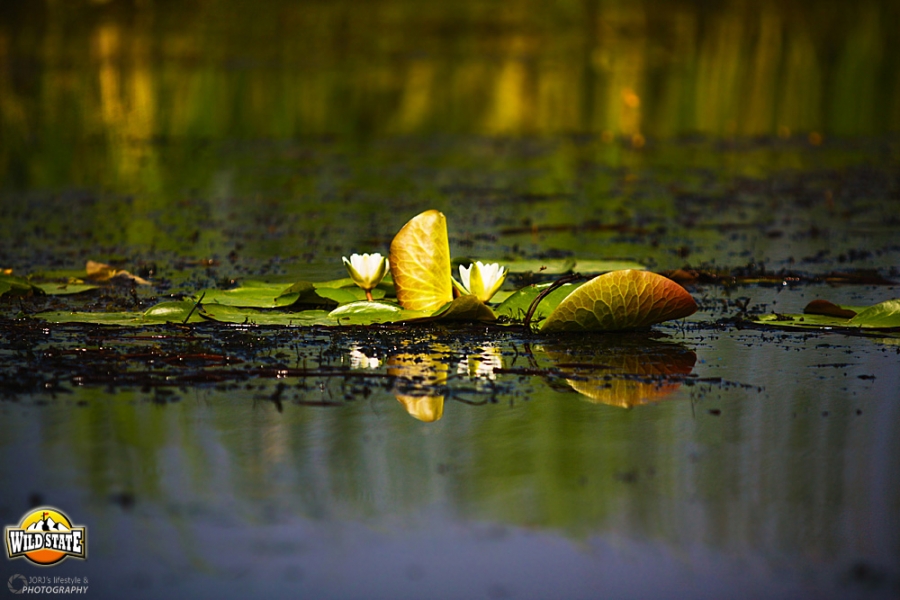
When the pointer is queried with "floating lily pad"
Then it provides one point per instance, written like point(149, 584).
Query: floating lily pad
point(370, 313)
point(881, 316)
point(621, 300)
point(258, 294)
point(64, 289)
point(250, 316)
point(420, 262)
point(164, 312)
point(559, 266)
point(13, 285)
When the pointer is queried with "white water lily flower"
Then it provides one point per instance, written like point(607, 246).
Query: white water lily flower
point(481, 280)
point(366, 270)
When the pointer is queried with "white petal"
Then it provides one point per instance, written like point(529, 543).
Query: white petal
point(464, 275)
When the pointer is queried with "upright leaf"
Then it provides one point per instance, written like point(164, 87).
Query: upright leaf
point(420, 262)
point(621, 300)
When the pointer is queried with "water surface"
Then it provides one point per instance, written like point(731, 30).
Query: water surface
point(202, 145)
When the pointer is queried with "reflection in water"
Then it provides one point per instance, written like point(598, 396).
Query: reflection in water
point(359, 360)
point(482, 364)
point(623, 370)
point(417, 376)
point(767, 476)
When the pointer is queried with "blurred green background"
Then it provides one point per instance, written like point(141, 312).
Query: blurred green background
point(80, 80)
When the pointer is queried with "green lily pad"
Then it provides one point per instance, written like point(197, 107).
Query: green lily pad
point(884, 315)
point(370, 313)
point(164, 312)
point(557, 266)
point(587, 267)
point(259, 294)
point(241, 315)
point(13, 285)
point(65, 289)
point(619, 301)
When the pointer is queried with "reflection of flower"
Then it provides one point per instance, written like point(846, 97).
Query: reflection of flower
point(483, 364)
point(358, 360)
point(366, 270)
point(481, 280)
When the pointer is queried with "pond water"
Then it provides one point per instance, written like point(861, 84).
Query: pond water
point(210, 143)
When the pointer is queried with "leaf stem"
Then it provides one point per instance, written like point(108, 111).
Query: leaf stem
point(193, 308)
point(544, 293)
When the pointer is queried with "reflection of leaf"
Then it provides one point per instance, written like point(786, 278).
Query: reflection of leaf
point(420, 262)
point(516, 306)
point(416, 374)
point(164, 312)
point(884, 315)
point(623, 370)
point(621, 300)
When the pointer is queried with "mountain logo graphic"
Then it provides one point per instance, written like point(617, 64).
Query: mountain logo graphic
point(46, 536)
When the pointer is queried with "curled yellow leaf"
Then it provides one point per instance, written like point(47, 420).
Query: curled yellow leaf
point(420, 262)
point(621, 300)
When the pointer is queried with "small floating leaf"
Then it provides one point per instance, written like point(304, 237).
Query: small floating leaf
point(621, 300)
point(420, 262)
point(884, 315)
point(824, 307)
